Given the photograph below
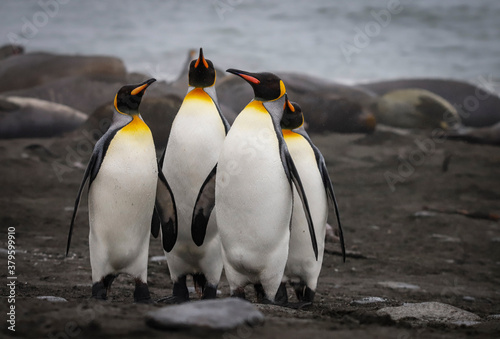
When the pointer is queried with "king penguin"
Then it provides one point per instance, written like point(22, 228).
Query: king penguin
point(253, 193)
point(318, 187)
point(124, 183)
point(189, 164)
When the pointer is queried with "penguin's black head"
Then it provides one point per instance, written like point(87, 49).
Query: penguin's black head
point(201, 72)
point(128, 98)
point(292, 115)
point(266, 86)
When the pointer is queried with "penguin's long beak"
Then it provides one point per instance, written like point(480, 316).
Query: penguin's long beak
point(202, 59)
point(142, 86)
point(247, 76)
point(288, 103)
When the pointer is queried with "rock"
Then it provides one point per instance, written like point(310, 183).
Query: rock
point(468, 298)
point(9, 50)
point(416, 108)
point(33, 118)
point(327, 106)
point(368, 300)
point(215, 314)
point(33, 69)
point(431, 312)
point(484, 105)
point(399, 285)
point(52, 299)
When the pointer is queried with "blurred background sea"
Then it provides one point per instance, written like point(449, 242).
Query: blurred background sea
point(338, 40)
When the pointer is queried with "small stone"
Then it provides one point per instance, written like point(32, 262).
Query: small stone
point(445, 238)
point(52, 299)
point(431, 312)
point(494, 316)
point(496, 239)
point(468, 298)
point(399, 285)
point(216, 314)
point(158, 258)
point(424, 214)
point(369, 300)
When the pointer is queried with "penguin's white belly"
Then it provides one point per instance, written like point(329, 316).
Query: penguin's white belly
point(193, 149)
point(301, 261)
point(121, 202)
point(253, 196)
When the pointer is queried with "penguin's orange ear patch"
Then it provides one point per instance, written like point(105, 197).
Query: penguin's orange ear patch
point(290, 106)
point(250, 78)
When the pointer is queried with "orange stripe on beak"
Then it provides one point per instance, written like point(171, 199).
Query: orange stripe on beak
point(139, 89)
point(250, 78)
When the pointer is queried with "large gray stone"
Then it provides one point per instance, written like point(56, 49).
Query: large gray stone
point(431, 312)
point(218, 314)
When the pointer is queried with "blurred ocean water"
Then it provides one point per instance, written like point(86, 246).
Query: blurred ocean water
point(346, 40)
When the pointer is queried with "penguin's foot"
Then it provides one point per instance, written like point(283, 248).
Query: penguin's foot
point(100, 289)
point(238, 293)
point(304, 293)
point(259, 292)
point(99, 292)
point(141, 293)
point(200, 281)
point(209, 292)
point(180, 293)
point(281, 297)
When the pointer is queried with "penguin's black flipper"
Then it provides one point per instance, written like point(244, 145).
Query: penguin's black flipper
point(205, 203)
point(166, 213)
point(331, 195)
point(86, 175)
point(327, 183)
point(155, 223)
point(294, 176)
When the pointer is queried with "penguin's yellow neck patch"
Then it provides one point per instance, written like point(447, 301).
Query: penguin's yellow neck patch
point(287, 133)
point(198, 94)
point(136, 126)
point(257, 105)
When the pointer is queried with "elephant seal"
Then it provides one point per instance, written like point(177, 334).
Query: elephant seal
point(34, 118)
point(416, 108)
point(481, 135)
point(476, 106)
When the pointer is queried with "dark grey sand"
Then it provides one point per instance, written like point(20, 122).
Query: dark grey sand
point(450, 258)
